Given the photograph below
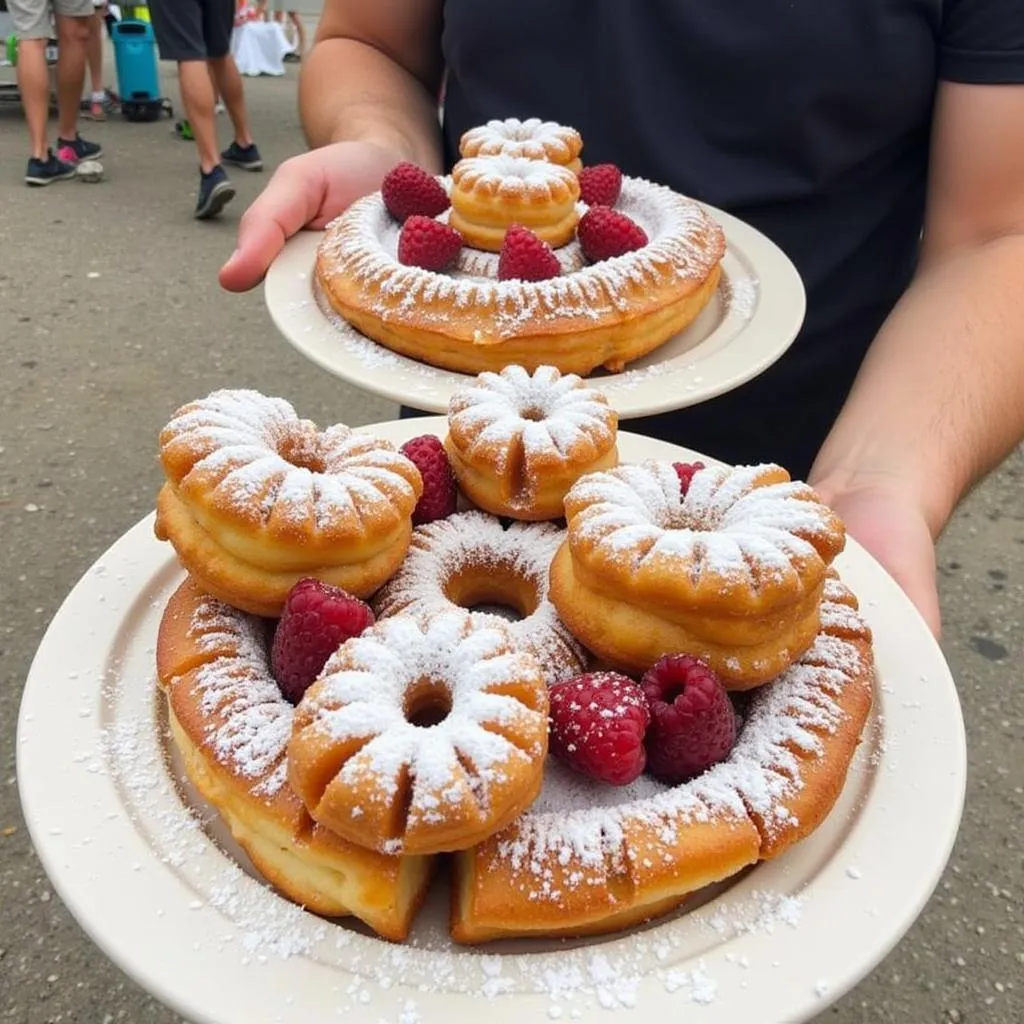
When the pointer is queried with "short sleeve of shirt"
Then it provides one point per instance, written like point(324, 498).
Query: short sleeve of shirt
point(982, 41)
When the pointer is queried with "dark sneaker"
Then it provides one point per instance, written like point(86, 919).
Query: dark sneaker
point(43, 172)
point(246, 157)
point(83, 150)
point(215, 192)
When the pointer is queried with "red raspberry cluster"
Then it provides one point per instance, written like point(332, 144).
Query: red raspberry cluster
point(675, 724)
point(417, 199)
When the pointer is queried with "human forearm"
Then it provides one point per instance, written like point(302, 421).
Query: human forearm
point(368, 100)
point(352, 91)
point(940, 398)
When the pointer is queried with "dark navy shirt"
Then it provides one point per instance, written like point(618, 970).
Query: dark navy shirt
point(810, 119)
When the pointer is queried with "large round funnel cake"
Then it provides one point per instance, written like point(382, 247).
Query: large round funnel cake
point(606, 314)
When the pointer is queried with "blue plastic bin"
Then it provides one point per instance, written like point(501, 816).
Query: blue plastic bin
point(138, 77)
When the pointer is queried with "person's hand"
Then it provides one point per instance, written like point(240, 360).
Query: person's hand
point(306, 191)
point(884, 519)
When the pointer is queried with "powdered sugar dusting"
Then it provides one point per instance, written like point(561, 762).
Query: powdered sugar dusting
point(731, 529)
point(277, 929)
point(362, 348)
point(476, 542)
point(253, 459)
point(250, 721)
point(532, 138)
point(262, 926)
point(699, 987)
point(506, 174)
point(361, 246)
point(575, 834)
point(361, 696)
point(549, 410)
point(741, 293)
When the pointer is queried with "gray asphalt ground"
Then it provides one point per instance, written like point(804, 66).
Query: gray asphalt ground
point(110, 317)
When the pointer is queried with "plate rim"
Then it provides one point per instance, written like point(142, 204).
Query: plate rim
point(779, 312)
point(31, 747)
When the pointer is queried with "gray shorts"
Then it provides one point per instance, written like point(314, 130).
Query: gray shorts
point(308, 7)
point(31, 18)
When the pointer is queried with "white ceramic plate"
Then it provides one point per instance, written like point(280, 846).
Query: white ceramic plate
point(749, 323)
point(148, 871)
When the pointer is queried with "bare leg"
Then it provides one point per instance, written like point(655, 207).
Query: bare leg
point(73, 39)
point(281, 19)
point(95, 54)
point(213, 82)
point(229, 82)
point(34, 83)
point(300, 32)
point(197, 96)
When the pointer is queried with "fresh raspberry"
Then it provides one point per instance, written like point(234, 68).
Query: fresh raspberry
point(604, 233)
point(600, 185)
point(440, 493)
point(427, 243)
point(598, 722)
point(685, 471)
point(693, 725)
point(408, 189)
point(317, 619)
point(526, 257)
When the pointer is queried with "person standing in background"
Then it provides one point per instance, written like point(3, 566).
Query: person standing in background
point(32, 27)
point(197, 35)
point(98, 99)
point(281, 12)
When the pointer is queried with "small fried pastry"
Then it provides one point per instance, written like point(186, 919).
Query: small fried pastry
point(518, 441)
point(255, 499)
point(731, 572)
point(471, 559)
point(421, 737)
point(533, 138)
point(490, 194)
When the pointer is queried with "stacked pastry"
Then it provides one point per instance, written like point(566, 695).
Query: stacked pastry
point(524, 256)
point(346, 695)
point(425, 732)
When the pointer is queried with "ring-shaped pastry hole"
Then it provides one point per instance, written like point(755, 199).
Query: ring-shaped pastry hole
point(301, 447)
point(428, 702)
point(494, 590)
point(533, 413)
